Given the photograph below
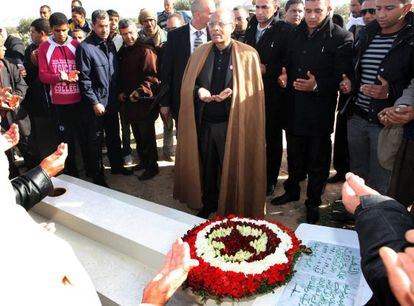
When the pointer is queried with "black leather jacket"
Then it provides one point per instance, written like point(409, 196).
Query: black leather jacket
point(31, 187)
point(380, 221)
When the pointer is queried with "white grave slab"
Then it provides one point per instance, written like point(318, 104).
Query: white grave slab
point(122, 240)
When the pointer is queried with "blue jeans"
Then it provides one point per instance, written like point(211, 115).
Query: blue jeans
point(363, 144)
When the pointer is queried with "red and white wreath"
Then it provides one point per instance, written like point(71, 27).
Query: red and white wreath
point(240, 257)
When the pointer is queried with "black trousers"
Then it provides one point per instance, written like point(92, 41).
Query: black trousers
point(70, 129)
point(144, 133)
point(26, 145)
point(93, 138)
point(274, 134)
point(312, 153)
point(274, 150)
point(212, 142)
point(126, 132)
point(340, 150)
point(401, 187)
point(45, 134)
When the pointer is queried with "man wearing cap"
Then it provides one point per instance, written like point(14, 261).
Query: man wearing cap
point(151, 33)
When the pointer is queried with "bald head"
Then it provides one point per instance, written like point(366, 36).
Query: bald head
point(200, 5)
point(202, 10)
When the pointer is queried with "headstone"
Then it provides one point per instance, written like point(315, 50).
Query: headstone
point(329, 276)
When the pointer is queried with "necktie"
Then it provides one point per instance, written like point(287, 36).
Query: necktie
point(197, 40)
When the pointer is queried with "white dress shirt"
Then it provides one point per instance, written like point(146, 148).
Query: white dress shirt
point(354, 21)
point(193, 36)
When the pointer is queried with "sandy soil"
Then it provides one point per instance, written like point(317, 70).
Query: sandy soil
point(159, 190)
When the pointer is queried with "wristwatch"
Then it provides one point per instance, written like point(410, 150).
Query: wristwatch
point(315, 88)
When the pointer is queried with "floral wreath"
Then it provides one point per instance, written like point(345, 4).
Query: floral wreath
point(240, 257)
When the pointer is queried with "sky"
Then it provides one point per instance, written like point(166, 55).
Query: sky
point(17, 9)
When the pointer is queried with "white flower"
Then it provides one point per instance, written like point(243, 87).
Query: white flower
point(209, 250)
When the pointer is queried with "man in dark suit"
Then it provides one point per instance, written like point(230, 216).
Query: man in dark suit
point(180, 45)
point(319, 53)
point(98, 65)
point(269, 36)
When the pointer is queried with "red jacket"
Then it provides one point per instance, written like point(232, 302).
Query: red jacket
point(54, 58)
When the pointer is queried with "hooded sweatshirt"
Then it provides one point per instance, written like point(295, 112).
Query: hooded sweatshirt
point(54, 58)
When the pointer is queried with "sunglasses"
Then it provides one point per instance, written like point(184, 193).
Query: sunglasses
point(372, 11)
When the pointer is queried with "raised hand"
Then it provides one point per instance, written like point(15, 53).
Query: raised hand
point(55, 163)
point(63, 76)
point(122, 97)
point(282, 79)
point(134, 96)
point(204, 95)
point(352, 191)
point(34, 57)
point(397, 115)
point(11, 137)
point(99, 109)
point(174, 272)
point(379, 92)
point(305, 84)
point(73, 76)
point(226, 93)
point(400, 271)
point(345, 86)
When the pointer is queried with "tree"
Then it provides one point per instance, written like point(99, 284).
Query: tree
point(23, 29)
point(343, 10)
point(24, 25)
point(184, 5)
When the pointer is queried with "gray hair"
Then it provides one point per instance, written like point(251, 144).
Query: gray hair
point(228, 12)
point(196, 6)
point(178, 16)
point(126, 23)
point(241, 9)
point(99, 14)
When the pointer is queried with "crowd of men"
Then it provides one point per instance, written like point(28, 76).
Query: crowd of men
point(230, 81)
point(83, 81)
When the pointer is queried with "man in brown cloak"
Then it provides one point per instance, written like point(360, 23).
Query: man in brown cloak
point(221, 127)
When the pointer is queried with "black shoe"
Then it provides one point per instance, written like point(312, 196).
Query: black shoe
point(205, 213)
point(138, 167)
point(342, 216)
point(147, 175)
point(122, 170)
point(167, 157)
point(337, 178)
point(303, 178)
point(283, 199)
point(101, 182)
point(270, 189)
point(312, 214)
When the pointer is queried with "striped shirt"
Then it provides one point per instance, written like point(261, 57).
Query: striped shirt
point(370, 63)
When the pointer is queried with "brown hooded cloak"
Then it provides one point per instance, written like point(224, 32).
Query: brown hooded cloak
point(243, 177)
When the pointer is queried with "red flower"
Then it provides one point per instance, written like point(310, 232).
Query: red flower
point(210, 281)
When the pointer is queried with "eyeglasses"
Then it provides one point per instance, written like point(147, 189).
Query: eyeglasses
point(219, 24)
point(372, 11)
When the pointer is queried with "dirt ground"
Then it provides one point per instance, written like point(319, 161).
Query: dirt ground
point(159, 190)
